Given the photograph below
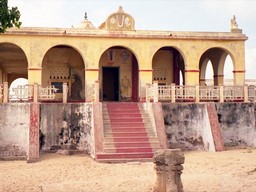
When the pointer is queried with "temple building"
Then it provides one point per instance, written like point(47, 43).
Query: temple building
point(119, 58)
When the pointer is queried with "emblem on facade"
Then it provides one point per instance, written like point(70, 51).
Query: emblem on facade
point(120, 21)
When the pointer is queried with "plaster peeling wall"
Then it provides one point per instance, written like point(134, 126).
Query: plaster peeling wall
point(237, 122)
point(14, 126)
point(187, 126)
point(67, 124)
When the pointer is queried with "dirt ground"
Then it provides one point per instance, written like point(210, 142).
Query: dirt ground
point(231, 170)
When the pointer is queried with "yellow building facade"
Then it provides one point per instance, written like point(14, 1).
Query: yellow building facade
point(121, 59)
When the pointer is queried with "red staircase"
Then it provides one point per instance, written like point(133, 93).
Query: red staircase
point(129, 133)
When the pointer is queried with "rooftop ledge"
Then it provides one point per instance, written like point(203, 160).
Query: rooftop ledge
point(126, 34)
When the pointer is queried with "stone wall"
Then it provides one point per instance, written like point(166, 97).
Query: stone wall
point(14, 127)
point(237, 122)
point(66, 125)
point(187, 126)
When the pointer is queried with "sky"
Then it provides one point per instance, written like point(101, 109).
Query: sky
point(167, 15)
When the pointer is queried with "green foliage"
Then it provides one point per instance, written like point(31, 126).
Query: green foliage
point(8, 17)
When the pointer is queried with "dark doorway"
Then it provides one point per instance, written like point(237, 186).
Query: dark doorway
point(110, 83)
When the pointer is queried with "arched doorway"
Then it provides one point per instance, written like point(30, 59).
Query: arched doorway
point(168, 66)
point(118, 75)
point(64, 64)
point(217, 58)
point(13, 63)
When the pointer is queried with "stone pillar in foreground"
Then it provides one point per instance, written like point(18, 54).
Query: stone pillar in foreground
point(168, 166)
point(33, 144)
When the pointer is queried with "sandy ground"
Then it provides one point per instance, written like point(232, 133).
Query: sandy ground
point(231, 170)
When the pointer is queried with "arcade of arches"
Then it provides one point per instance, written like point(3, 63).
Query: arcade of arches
point(123, 60)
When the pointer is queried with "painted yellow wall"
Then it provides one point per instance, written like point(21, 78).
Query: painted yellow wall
point(143, 44)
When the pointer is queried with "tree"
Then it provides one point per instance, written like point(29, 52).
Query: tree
point(8, 17)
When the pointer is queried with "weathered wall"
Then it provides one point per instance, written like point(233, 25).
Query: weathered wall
point(66, 124)
point(14, 127)
point(237, 122)
point(187, 126)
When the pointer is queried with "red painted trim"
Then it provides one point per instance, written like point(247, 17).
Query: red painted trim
point(218, 76)
point(92, 70)
point(146, 70)
point(34, 69)
point(192, 70)
point(239, 71)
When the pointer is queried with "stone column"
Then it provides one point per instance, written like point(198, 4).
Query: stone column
point(65, 92)
point(218, 79)
point(145, 76)
point(155, 92)
point(192, 76)
point(168, 166)
point(173, 92)
point(5, 93)
point(92, 75)
point(96, 97)
point(35, 93)
point(33, 144)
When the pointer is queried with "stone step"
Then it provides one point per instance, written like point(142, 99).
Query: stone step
point(129, 150)
point(125, 120)
point(123, 112)
point(127, 124)
point(132, 135)
point(129, 139)
point(108, 125)
point(122, 115)
point(124, 156)
point(131, 129)
point(153, 144)
point(113, 124)
point(128, 133)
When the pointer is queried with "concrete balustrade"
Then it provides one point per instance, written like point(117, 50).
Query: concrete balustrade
point(174, 93)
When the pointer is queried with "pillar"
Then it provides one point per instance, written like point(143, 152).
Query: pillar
point(91, 75)
point(96, 92)
point(145, 76)
point(246, 94)
point(221, 89)
point(192, 77)
point(197, 94)
point(202, 82)
point(239, 77)
point(35, 92)
point(65, 92)
point(33, 146)
point(168, 166)
point(155, 92)
point(218, 79)
point(173, 92)
point(35, 76)
point(5, 93)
